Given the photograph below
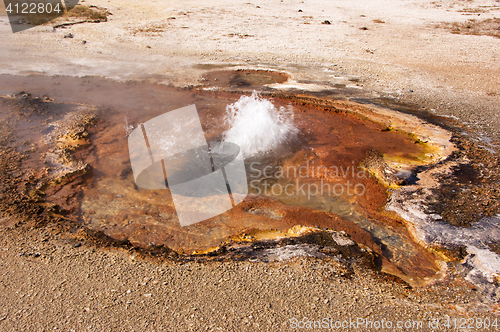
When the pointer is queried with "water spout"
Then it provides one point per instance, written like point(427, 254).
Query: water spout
point(257, 126)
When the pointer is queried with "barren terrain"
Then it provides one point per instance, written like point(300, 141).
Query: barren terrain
point(444, 56)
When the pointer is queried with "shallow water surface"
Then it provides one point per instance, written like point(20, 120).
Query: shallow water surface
point(323, 186)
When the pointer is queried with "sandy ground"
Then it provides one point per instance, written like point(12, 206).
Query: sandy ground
point(48, 283)
point(393, 48)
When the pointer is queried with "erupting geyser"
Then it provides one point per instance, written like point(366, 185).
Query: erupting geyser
point(257, 126)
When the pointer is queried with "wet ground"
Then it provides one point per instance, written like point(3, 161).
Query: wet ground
point(77, 168)
point(246, 79)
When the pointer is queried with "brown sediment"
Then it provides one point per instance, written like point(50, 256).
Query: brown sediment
point(48, 167)
point(471, 190)
point(486, 27)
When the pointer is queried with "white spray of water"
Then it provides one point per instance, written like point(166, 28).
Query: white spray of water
point(128, 127)
point(257, 126)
